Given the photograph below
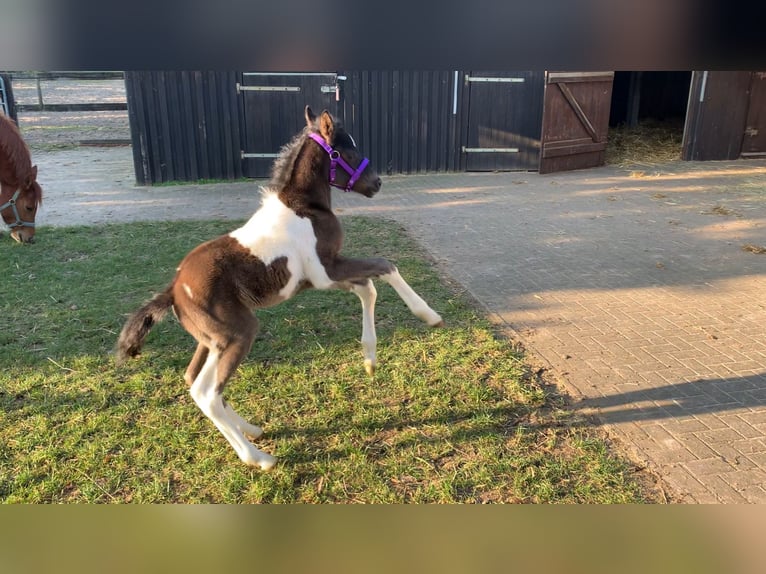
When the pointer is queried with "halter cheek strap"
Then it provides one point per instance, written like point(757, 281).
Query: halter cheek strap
point(12, 204)
point(336, 159)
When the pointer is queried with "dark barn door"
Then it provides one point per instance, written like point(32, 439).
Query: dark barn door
point(272, 112)
point(754, 140)
point(504, 118)
point(717, 115)
point(575, 120)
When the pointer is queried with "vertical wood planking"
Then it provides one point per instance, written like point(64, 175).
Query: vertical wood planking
point(138, 127)
point(184, 125)
point(754, 140)
point(189, 125)
point(717, 115)
point(403, 120)
point(395, 166)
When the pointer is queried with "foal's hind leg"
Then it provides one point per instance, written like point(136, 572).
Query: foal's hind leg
point(251, 431)
point(195, 365)
point(207, 392)
point(193, 370)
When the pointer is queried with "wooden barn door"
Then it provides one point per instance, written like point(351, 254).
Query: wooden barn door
point(504, 118)
point(575, 120)
point(717, 116)
point(272, 112)
point(754, 140)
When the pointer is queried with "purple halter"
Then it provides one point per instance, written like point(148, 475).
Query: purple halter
point(335, 159)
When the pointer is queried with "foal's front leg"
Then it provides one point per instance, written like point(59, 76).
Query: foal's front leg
point(367, 295)
point(414, 301)
point(359, 273)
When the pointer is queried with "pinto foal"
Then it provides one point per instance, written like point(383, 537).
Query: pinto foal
point(291, 243)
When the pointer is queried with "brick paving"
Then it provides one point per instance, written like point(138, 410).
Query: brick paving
point(633, 289)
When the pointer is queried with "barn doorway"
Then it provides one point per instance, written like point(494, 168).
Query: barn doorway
point(647, 115)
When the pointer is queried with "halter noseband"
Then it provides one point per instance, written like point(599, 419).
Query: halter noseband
point(12, 204)
point(336, 159)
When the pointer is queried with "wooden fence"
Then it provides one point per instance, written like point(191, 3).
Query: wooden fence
point(43, 106)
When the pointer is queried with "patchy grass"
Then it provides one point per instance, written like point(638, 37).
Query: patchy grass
point(453, 415)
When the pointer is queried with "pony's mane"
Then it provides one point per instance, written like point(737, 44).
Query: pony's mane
point(13, 147)
point(283, 165)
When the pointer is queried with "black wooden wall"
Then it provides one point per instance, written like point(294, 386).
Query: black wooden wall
point(189, 125)
point(404, 120)
point(195, 125)
point(184, 125)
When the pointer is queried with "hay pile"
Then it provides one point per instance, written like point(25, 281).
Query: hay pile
point(647, 144)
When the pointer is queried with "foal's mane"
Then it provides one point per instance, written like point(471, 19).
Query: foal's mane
point(285, 161)
point(14, 149)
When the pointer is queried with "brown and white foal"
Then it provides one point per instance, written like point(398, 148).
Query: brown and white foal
point(291, 243)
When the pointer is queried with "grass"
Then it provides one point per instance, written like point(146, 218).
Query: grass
point(453, 415)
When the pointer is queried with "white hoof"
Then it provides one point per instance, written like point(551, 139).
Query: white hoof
point(252, 432)
point(264, 462)
point(369, 367)
point(433, 319)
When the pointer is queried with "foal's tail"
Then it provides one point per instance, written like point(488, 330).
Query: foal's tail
point(140, 323)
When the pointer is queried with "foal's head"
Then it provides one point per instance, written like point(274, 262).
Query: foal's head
point(336, 137)
point(19, 212)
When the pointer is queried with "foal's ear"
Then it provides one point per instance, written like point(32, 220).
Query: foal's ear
point(310, 116)
point(327, 127)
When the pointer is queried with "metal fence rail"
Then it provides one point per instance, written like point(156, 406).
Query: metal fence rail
point(41, 105)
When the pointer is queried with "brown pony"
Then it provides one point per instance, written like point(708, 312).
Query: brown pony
point(291, 243)
point(20, 194)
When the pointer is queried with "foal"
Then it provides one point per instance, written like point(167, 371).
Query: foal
point(291, 243)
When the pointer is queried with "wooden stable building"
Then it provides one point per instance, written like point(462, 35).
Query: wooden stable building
point(228, 125)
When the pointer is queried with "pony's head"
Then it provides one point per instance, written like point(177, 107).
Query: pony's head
point(350, 170)
point(19, 209)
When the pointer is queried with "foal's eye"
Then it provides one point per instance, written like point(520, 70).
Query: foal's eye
point(29, 208)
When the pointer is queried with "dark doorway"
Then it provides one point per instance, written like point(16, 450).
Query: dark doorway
point(659, 96)
point(647, 116)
